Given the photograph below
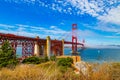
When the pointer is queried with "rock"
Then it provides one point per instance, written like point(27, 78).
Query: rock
point(81, 67)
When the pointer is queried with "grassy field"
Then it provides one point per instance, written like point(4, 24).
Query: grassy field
point(50, 71)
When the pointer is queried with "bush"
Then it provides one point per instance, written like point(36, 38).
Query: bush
point(31, 60)
point(53, 58)
point(45, 59)
point(66, 62)
point(35, 60)
point(7, 56)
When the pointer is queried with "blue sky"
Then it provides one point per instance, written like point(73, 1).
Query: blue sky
point(98, 20)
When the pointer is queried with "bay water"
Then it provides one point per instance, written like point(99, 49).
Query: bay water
point(98, 54)
point(92, 54)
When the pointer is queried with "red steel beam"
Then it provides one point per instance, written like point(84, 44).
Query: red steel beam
point(68, 42)
point(16, 37)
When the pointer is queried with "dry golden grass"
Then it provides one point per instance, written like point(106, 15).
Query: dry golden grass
point(50, 71)
point(100, 72)
point(26, 72)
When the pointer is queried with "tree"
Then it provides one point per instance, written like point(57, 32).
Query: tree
point(7, 56)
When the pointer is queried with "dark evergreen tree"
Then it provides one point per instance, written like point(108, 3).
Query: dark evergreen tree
point(7, 56)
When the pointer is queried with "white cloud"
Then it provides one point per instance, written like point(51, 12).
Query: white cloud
point(94, 8)
point(20, 29)
point(53, 27)
point(113, 16)
point(6, 26)
point(30, 27)
point(21, 33)
point(55, 31)
point(102, 26)
point(87, 33)
point(108, 29)
point(118, 33)
point(85, 7)
point(33, 31)
point(56, 7)
point(62, 23)
point(112, 37)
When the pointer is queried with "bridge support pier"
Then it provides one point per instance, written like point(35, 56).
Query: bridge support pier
point(62, 47)
point(48, 46)
point(44, 50)
point(36, 49)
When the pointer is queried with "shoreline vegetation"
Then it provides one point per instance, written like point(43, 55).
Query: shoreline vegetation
point(37, 68)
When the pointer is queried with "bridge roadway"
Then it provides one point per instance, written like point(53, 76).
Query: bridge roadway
point(36, 46)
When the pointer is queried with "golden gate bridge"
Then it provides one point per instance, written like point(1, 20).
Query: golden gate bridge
point(39, 47)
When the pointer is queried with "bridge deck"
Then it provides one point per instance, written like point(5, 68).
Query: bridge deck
point(16, 37)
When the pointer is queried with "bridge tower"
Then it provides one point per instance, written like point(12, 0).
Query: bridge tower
point(74, 39)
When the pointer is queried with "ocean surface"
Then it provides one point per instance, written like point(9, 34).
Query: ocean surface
point(98, 55)
point(93, 54)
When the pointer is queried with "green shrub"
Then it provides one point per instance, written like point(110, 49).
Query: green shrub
point(7, 55)
point(46, 59)
point(67, 62)
point(35, 60)
point(53, 58)
point(32, 60)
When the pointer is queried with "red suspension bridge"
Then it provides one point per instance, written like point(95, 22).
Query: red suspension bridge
point(39, 47)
